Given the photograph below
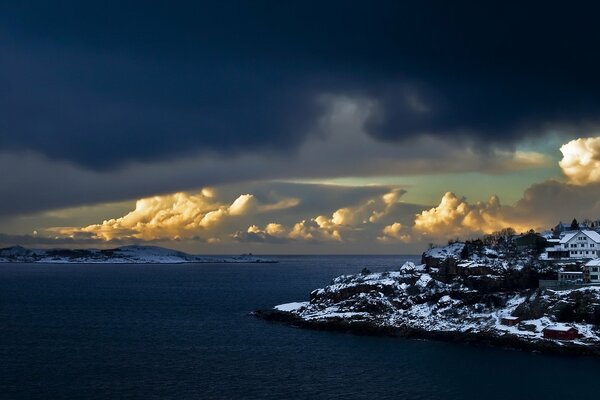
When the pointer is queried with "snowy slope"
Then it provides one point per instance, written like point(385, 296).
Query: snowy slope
point(412, 300)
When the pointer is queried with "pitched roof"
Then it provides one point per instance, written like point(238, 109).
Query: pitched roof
point(559, 328)
point(595, 236)
point(568, 237)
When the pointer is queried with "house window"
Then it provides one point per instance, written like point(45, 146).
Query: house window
point(595, 269)
point(582, 244)
point(594, 277)
point(586, 252)
point(592, 245)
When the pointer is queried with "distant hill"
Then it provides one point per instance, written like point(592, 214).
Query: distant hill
point(121, 255)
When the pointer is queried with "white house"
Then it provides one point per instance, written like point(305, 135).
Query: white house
point(593, 266)
point(581, 244)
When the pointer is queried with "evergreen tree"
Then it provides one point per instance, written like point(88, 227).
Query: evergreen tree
point(574, 225)
point(464, 253)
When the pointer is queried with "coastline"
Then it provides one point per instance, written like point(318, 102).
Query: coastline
point(61, 262)
point(133, 254)
point(488, 339)
point(490, 296)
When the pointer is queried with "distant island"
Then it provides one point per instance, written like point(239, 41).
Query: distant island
point(503, 289)
point(121, 255)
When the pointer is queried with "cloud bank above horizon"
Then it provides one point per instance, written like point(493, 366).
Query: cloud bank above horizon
point(280, 215)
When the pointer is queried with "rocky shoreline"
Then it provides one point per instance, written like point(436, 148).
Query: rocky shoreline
point(490, 297)
point(509, 342)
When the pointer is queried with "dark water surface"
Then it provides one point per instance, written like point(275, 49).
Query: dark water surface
point(184, 331)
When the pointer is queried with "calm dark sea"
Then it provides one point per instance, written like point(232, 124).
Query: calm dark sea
point(184, 331)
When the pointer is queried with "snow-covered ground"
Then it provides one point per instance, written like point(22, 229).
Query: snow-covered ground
point(443, 252)
point(412, 298)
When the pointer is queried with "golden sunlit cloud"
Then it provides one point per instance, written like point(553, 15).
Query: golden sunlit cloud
point(324, 228)
point(206, 217)
point(394, 232)
point(372, 211)
point(581, 160)
point(175, 216)
point(314, 230)
point(455, 217)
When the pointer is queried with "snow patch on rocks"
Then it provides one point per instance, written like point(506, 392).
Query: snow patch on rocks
point(411, 298)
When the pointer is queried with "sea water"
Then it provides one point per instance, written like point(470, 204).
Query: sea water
point(185, 331)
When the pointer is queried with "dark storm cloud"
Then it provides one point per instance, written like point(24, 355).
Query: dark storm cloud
point(102, 84)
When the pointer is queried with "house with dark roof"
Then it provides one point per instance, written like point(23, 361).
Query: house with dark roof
point(530, 240)
point(561, 227)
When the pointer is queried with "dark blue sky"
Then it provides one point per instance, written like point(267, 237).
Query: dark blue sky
point(101, 84)
point(354, 125)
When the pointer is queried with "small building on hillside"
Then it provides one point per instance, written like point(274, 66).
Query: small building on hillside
point(555, 250)
point(581, 244)
point(560, 332)
point(593, 270)
point(531, 241)
point(509, 320)
point(560, 228)
point(566, 277)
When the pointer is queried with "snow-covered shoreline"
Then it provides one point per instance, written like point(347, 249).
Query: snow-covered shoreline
point(119, 255)
point(413, 303)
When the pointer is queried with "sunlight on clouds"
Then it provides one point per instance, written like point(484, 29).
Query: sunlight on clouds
point(272, 229)
point(581, 160)
point(349, 218)
point(372, 211)
point(324, 228)
point(394, 232)
point(455, 217)
point(316, 229)
point(529, 159)
point(380, 217)
point(242, 205)
point(175, 216)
